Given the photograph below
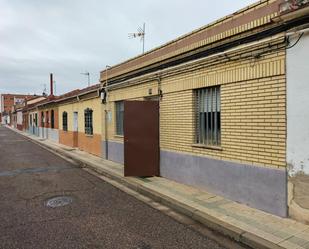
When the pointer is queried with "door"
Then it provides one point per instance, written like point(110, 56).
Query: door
point(42, 123)
point(75, 121)
point(141, 138)
point(75, 129)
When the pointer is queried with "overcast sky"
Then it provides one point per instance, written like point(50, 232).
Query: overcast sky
point(68, 37)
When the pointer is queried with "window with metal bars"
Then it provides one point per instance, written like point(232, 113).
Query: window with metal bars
point(42, 119)
point(36, 119)
point(88, 122)
point(119, 117)
point(47, 117)
point(208, 128)
point(52, 119)
point(65, 121)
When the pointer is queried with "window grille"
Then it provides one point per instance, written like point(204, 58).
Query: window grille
point(65, 121)
point(88, 122)
point(119, 117)
point(42, 119)
point(208, 130)
point(52, 119)
point(36, 119)
point(47, 117)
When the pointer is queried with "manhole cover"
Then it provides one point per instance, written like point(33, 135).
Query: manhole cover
point(59, 201)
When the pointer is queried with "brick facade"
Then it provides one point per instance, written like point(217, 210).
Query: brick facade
point(253, 122)
point(252, 102)
point(76, 137)
point(9, 100)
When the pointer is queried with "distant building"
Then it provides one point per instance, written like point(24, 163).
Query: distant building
point(7, 102)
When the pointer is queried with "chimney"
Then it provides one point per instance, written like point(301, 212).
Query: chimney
point(51, 85)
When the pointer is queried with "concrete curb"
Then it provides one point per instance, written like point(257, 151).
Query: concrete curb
point(233, 232)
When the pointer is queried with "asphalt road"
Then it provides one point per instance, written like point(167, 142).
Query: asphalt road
point(100, 215)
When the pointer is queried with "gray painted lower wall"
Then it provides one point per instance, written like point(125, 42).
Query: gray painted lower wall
point(33, 130)
point(42, 132)
point(259, 187)
point(46, 133)
point(115, 151)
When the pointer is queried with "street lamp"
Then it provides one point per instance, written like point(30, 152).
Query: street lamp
point(87, 74)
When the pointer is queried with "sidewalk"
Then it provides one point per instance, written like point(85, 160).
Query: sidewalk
point(249, 226)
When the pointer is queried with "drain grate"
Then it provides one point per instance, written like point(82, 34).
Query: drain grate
point(59, 201)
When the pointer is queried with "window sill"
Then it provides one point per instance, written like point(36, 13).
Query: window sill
point(88, 135)
point(119, 136)
point(207, 147)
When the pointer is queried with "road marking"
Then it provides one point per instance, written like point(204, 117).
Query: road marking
point(34, 170)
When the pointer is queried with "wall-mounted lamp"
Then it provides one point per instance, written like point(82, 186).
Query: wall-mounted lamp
point(103, 91)
point(103, 95)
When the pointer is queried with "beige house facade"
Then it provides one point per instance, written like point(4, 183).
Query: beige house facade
point(222, 92)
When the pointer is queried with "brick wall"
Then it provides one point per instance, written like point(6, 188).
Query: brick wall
point(253, 122)
point(253, 96)
point(47, 115)
point(9, 101)
point(88, 143)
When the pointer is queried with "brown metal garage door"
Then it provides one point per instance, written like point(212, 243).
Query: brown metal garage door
point(141, 138)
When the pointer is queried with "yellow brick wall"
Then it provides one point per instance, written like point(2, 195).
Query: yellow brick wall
point(253, 97)
point(94, 104)
point(253, 122)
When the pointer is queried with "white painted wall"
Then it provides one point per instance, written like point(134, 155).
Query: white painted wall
point(5, 119)
point(19, 118)
point(298, 106)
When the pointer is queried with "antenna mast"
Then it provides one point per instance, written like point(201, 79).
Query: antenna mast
point(141, 32)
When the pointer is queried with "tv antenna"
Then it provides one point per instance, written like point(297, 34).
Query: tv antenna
point(139, 34)
point(55, 88)
point(44, 93)
point(87, 74)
